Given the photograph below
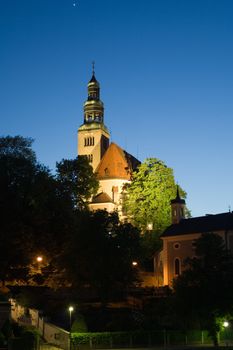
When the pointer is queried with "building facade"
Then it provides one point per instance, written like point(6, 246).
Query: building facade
point(179, 239)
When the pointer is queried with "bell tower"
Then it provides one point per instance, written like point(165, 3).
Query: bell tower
point(178, 208)
point(93, 135)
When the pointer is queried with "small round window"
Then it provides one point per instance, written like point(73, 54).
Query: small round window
point(176, 245)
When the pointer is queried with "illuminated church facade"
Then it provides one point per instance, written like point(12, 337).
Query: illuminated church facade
point(113, 165)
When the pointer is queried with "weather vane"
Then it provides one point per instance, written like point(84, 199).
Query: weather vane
point(93, 67)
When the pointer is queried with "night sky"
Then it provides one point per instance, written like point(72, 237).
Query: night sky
point(166, 73)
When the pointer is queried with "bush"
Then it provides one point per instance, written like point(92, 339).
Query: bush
point(7, 329)
point(2, 340)
point(27, 340)
point(79, 325)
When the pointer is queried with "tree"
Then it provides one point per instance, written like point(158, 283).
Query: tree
point(78, 180)
point(17, 147)
point(205, 287)
point(149, 195)
point(147, 202)
point(100, 253)
point(34, 215)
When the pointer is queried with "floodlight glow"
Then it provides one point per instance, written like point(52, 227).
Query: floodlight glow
point(225, 324)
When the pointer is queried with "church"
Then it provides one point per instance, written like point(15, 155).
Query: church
point(113, 165)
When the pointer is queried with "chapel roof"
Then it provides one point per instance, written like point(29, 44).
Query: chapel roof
point(177, 200)
point(201, 224)
point(116, 164)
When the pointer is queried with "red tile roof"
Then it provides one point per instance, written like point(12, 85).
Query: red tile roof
point(116, 164)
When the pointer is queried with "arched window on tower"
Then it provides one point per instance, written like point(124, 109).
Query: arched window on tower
point(177, 267)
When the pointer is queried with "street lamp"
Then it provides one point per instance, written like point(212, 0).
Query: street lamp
point(225, 325)
point(39, 260)
point(71, 309)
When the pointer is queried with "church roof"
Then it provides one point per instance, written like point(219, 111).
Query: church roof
point(93, 79)
point(102, 198)
point(116, 164)
point(201, 224)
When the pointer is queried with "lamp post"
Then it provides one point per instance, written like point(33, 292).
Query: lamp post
point(71, 309)
point(225, 325)
point(39, 260)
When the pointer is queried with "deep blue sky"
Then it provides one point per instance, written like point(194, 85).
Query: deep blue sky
point(166, 74)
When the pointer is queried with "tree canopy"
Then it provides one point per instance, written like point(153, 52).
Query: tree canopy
point(37, 212)
point(77, 180)
point(205, 287)
point(149, 195)
point(100, 253)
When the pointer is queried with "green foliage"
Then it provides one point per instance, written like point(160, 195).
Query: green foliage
point(149, 195)
point(78, 180)
point(79, 325)
point(141, 338)
point(205, 288)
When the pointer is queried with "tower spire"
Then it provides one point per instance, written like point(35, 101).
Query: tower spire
point(177, 192)
point(177, 207)
point(93, 135)
point(93, 107)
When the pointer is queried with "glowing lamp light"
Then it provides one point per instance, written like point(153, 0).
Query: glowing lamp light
point(39, 259)
point(134, 263)
point(225, 324)
point(71, 308)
